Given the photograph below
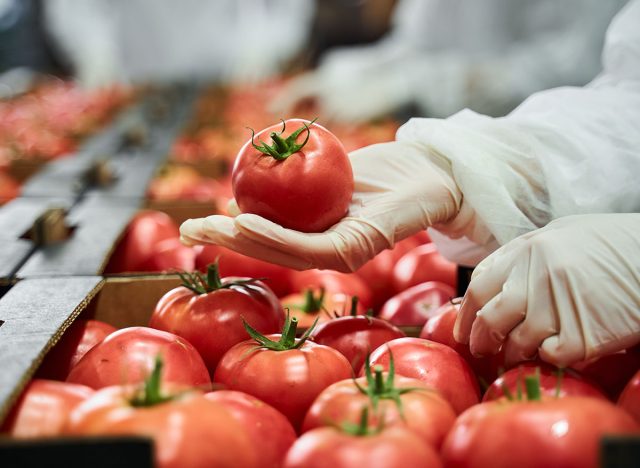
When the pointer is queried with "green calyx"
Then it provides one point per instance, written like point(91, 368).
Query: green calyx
point(287, 340)
point(149, 393)
point(378, 388)
point(362, 428)
point(282, 148)
point(312, 304)
point(532, 389)
point(203, 284)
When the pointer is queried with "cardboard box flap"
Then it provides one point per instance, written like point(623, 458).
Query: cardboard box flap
point(17, 216)
point(98, 223)
point(13, 253)
point(33, 316)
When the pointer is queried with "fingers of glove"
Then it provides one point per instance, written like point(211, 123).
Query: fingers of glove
point(560, 352)
point(221, 230)
point(344, 247)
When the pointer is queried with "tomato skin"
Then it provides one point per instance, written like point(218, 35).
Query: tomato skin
point(414, 306)
point(355, 337)
point(139, 241)
point(394, 447)
point(287, 380)
point(212, 322)
point(555, 432)
point(422, 264)
point(78, 339)
point(170, 254)
point(333, 282)
point(43, 408)
point(127, 356)
point(571, 383)
point(424, 411)
point(433, 363)
point(630, 397)
point(190, 431)
point(309, 191)
point(613, 371)
point(9, 188)
point(333, 303)
point(270, 432)
point(231, 263)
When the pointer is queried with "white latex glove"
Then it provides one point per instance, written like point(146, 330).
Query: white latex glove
point(568, 292)
point(400, 189)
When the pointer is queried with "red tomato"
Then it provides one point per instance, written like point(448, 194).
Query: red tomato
point(332, 282)
point(43, 408)
point(127, 356)
point(9, 188)
point(611, 372)
point(414, 306)
point(79, 338)
point(399, 401)
point(287, 374)
point(211, 317)
point(355, 337)
point(312, 304)
point(377, 273)
point(189, 430)
point(170, 254)
point(570, 383)
point(395, 447)
point(630, 397)
point(435, 364)
point(422, 264)
point(231, 263)
point(139, 241)
point(554, 432)
point(271, 433)
point(307, 188)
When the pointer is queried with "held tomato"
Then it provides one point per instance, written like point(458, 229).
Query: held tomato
point(414, 306)
point(126, 356)
point(287, 374)
point(552, 384)
point(208, 312)
point(422, 264)
point(395, 401)
point(333, 282)
point(77, 340)
point(435, 364)
point(303, 181)
point(231, 263)
point(311, 304)
point(554, 432)
point(271, 433)
point(188, 429)
point(43, 408)
point(355, 337)
point(630, 397)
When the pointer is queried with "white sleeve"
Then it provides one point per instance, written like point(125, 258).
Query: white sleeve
point(563, 151)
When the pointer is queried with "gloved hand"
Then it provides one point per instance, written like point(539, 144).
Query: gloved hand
point(400, 189)
point(567, 292)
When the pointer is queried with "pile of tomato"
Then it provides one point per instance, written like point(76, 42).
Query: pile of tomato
point(252, 364)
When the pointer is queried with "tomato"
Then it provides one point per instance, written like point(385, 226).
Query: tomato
point(332, 282)
point(311, 305)
point(287, 374)
point(208, 312)
point(435, 364)
point(552, 383)
point(43, 408)
point(80, 337)
point(414, 306)
point(392, 400)
point(553, 432)
point(231, 263)
point(422, 264)
point(301, 186)
point(394, 447)
point(613, 371)
point(9, 188)
point(127, 355)
point(140, 239)
point(170, 254)
point(271, 433)
point(377, 273)
point(355, 336)
point(630, 397)
point(188, 429)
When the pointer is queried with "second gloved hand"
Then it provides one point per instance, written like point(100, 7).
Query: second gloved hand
point(567, 292)
point(400, 189)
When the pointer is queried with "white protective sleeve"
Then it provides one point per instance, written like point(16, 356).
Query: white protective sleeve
point(563, 151)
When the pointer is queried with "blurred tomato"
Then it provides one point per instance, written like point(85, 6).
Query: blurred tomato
point(421, 264)
point(630, 397)
point(333, 282)
point(414, 306)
